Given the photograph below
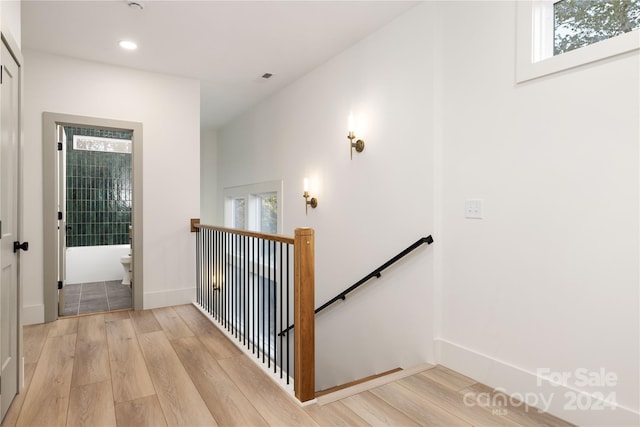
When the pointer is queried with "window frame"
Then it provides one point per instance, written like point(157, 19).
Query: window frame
point(535, 32)
point(249, 193)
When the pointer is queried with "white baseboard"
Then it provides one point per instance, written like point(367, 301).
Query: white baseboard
point(33, 314)
point(568, 403)
point(169, 298)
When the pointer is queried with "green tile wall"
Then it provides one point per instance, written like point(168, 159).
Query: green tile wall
point(98, 192)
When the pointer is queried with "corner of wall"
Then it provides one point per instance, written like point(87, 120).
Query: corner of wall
point(33, 314)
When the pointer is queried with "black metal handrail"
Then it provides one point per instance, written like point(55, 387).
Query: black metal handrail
point(377, 273)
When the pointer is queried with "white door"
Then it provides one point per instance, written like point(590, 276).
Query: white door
point(62, 215)
point(9, 161)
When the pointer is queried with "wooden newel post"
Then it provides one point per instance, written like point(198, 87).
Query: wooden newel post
point(304, 316)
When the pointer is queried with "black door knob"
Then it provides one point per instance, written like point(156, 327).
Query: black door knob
point(17, 246)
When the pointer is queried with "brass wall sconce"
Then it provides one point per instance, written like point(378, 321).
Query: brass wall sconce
point(359, 144)
point(309, 201)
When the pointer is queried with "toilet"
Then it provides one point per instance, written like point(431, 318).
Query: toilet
point(125, 260)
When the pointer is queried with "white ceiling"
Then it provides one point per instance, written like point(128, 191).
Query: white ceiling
point(227, 45)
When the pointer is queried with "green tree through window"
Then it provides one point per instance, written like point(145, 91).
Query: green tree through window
point(579, 23)
point(269, 213)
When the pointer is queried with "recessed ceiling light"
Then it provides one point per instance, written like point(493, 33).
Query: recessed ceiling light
point(128, 45)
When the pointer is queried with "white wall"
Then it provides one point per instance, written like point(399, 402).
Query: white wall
point(208, 176)
point(10, 20)
point(549, 279)
point(370, 208)
point(88, 264)
point(168, 108)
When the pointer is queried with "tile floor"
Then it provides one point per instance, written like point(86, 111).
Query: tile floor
point(83, 298)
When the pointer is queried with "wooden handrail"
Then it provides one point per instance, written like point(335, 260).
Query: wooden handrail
point(377, 273)
point(265, 236)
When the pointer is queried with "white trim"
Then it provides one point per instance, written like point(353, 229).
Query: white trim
point(373, 383)
point(32, 314)
point(514, 380)
point(534, 33)
point(169, 297)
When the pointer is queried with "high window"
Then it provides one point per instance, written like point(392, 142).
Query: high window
point(563, 34)
point(580, 23)
point(254, 207)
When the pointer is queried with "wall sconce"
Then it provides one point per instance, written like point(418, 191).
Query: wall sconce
point(313, 202)
point(359, 144)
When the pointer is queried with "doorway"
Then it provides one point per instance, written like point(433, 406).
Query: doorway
point(95, 228)
point(85, 161)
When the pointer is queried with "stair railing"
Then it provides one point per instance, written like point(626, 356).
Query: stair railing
point(377, 273)
point(243, 284)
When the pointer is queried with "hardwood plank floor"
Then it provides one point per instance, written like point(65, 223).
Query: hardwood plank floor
point(417, 407)
point(129, 373)
point(180, 401)
point(172, 366)
point(335, 414)
point(143, 412)
point(91, 364)
point(376, 411)
point(221, 395)
point(47, 398)
point(171, 323)
point(34, 339)
point(91, 405)
point(266, 396)
point(144, 321)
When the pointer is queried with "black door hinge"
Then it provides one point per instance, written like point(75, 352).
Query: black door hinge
point(59, 216)
point(59, 284)
point(59, 146)
point(1, 73)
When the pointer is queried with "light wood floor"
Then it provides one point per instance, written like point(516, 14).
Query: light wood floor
point(171, 366)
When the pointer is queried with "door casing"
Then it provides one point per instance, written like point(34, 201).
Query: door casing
point(50, 203)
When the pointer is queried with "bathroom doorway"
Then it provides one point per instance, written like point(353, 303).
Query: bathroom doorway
point(95, 230)
point(93, 250)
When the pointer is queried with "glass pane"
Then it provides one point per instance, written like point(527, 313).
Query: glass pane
point(268, 212)
point(239, 206)
point(579, 23)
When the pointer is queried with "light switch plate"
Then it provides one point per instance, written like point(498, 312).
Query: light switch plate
point(473, 208)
